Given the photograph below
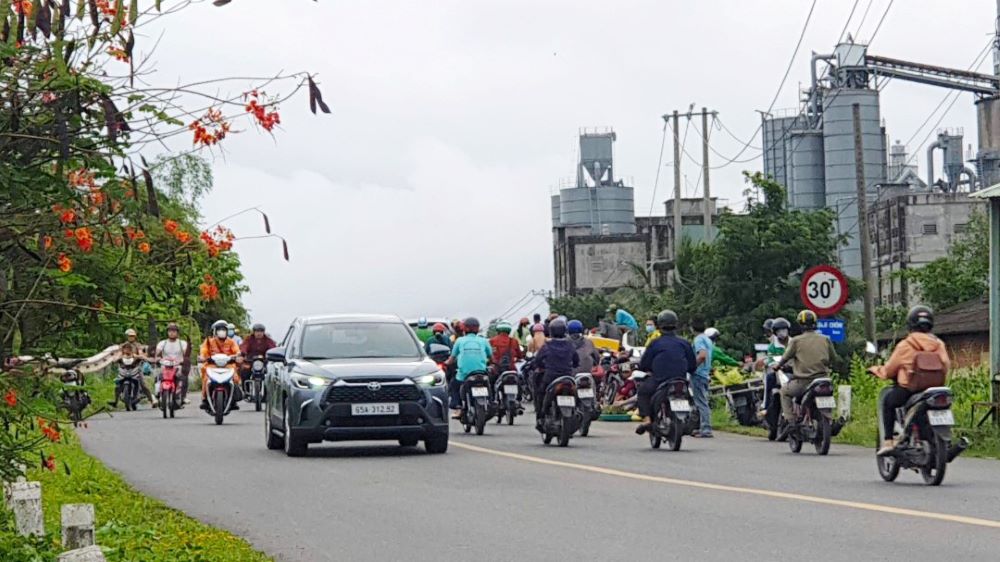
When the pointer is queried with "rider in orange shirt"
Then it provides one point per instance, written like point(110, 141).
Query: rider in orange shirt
point(220, 343)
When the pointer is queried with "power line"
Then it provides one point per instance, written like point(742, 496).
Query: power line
point(880, 22)
point(857, 31)
point(659, 166)
point(526, 296)
point(848, 22)
point(781, 85)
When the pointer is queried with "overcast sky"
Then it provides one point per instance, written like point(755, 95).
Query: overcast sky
point(426, 192)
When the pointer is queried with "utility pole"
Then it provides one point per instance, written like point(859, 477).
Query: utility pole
point(866, 251)
point(677, 193)
point(704, 165)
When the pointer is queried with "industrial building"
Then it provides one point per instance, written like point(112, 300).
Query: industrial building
point(811, 151)
point(598, 242)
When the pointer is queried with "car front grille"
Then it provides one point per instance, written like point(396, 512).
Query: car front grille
point(361, 394)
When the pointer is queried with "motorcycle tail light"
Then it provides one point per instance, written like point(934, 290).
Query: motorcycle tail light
point(564, 388)
point(940, 401)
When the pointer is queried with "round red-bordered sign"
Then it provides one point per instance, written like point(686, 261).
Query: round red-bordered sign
point(824, 290)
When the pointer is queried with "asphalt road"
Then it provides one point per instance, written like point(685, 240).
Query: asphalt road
point(505, 496)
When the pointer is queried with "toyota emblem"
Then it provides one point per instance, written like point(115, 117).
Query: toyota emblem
point(374, 386)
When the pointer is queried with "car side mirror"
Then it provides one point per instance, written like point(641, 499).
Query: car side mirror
point(276, 354)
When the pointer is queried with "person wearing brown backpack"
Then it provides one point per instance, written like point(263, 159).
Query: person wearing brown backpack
point(919, 362)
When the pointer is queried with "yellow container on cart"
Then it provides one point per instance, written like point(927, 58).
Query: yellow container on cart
point(605, 344)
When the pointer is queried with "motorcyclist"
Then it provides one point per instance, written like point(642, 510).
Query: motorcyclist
point(218, 342)
point(811, 354)
point(523, 333)
point(506, 350)
point(537, 338)
point(255, 346)
point(472, 354)
point(423, 330)
point(719, 357)
point(920, 322)
point(457, 330)
point(437, 337)
point(178, 351)
point(668, 357)
point(585, 349)
point(139, 353)
point(557, 358)
point(777, 332)
point(234, 334)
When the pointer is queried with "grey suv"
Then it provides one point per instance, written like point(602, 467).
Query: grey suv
point(359, 377)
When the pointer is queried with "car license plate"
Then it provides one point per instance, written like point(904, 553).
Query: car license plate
point(826, 402)
point(380, 409)
point(941, 417)
point(585, 393)
point(566, 401)
point(510, 389)
point(480, 392)
point(680, 406)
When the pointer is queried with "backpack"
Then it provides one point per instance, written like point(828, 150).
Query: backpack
point(928, 370)
point(507, 361)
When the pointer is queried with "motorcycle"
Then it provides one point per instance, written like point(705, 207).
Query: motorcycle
point(613, 379)
point(561, 415)
point(590, 410)
point(169, 387)
point(813, 413)
point(130, 372)
point(253, 386)
point(74, 398)
point(773, 418)
point(526, 371)
point(221, 386)
point(477, 402)
point(508, 390)
point(672, 413)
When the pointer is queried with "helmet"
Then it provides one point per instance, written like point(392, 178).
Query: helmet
point(173, 326)
point(504, 327)
point(471, 325)
point(807, 319)
point(920, 319)
point(666, 320)
point(258, 327)
point(712, 333)
point(524, 321)
point(575, 327)
point(780, 324)
point(537, 328)
point(562, 319)
point(557, 328)
point(422, 322)
point(439, 328)
point(231, 326)
point(220, 325)
point(130, 332)
point(768, 325)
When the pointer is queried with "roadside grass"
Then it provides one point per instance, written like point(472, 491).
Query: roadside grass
point(968, 386)
point(131, 527)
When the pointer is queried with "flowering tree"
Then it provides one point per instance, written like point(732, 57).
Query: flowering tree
point(88, 241)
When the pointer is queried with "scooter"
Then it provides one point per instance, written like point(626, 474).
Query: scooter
point(221, 386)
point(526, 373)
point(671, 413)
point(590, 410)
point(130, 371)
point(772, 419)
point(613, 379)
point(74, 398)
point(509, 399)
point(477, 402)
point(561, 415)
point(253, 387)
point(169, 388)
point(813, 413)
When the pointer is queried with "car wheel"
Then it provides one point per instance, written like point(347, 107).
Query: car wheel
point(294, 445)
point(436, 445)
point(272, 441)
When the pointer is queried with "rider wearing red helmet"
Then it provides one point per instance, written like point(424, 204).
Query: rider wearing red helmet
point(438, 336)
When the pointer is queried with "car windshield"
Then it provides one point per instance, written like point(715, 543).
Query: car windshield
point(358, 340)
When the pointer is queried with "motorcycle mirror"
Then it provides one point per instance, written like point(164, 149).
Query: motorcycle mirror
point(276, 354)
point(871, 348)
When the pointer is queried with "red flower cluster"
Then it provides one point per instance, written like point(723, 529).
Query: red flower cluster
point(107, 9)
point(266, 119)
point(134, 234)
point(170, 226)
point(219, 240)
point(10, 398)
point(118, 54)
point(209, 290)
point(24, 7)
point(175, 230)
point(49, 463)
point(65, 264)
point(143, 247)
point(84, 238)
point(51, 432)
point(81, 177)
point(210, 128)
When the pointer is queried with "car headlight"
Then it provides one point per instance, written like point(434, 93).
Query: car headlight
point(430, 380)
point(306, 382)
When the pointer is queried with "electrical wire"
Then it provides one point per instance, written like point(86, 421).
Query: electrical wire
point(781, 85)
point(840, 38)
point(864, 16)
point(880, 22)
point(659, 167)
point(512, 307)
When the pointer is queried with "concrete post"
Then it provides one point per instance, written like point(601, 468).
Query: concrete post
point(994, 307)
point(678, 230)
point(844, 401)
point(865, 241)
point(77, 525)
point(25, 500)
point(707, 211)
point(86, 554)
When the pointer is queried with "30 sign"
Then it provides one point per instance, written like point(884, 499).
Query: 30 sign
point(824, 290)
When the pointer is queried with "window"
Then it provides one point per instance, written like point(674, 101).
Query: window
point(961, 228)
point(358, 340)
point(930, 228)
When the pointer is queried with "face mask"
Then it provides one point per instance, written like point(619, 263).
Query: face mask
point(782, 334)
point(231, 333)
point(221, 334)
point(650, 328)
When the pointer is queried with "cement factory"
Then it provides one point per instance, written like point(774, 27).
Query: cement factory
point(599, 243)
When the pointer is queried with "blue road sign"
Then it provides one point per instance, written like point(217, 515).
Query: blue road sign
point(833, 328)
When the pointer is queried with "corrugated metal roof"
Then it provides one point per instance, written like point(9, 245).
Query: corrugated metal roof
point(990, 192)
point(970, 317)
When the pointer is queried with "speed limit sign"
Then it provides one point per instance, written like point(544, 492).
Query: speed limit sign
point(824, 290)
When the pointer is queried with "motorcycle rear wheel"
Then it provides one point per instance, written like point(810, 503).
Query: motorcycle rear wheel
point(564, 434)
point(585, 426)
point(510, 416)
point(933, 472)
point(823, 435)
point(480, 419)
point(676, 435)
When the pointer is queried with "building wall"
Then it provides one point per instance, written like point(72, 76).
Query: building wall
point(602, 265)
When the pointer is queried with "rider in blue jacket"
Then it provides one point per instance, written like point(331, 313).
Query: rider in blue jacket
point(557, 358)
